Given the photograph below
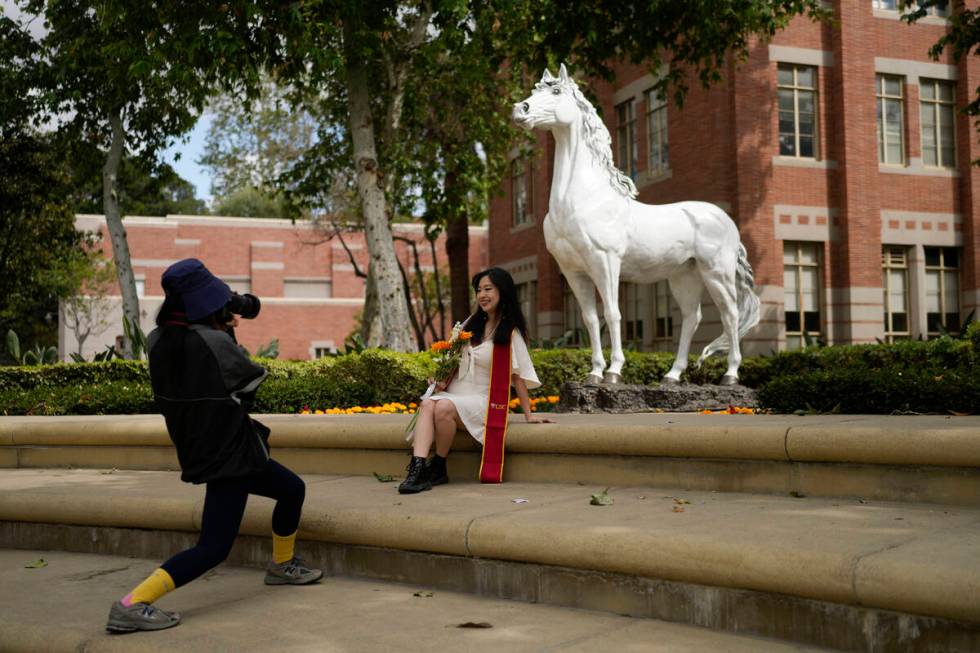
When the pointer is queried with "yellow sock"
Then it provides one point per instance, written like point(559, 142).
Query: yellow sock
point(156, 585)
point(283, 547)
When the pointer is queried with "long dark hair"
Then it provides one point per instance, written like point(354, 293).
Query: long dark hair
point(171, 311)
point(509, 309)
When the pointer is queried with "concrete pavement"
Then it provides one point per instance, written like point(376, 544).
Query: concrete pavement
point(63, 607)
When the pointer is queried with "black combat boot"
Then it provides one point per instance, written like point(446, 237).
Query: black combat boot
point(437, 471)
point(417, 479)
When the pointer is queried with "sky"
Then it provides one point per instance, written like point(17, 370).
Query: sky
point(190, 148)
point(190, 151)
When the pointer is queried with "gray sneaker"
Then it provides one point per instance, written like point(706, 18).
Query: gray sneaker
point(291, 572)
point(139, 616)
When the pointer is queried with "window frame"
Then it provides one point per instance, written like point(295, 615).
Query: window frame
point(657, 131)
point(882, 98)
point(520, 211)
point(935, 103)
point(797, 90)
point(798, 266)
point(889, 265)
point(941, 270)
point(627, 138)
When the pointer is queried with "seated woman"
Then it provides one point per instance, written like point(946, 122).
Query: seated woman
point(463, 404)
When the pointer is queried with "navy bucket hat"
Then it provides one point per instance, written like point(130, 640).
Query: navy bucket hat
point(202, 292)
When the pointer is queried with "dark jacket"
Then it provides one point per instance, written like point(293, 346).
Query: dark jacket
point(204, 383)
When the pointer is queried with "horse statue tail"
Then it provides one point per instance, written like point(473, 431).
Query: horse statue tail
point(748, 305)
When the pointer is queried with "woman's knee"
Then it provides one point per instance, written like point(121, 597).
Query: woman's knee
point(445, 410)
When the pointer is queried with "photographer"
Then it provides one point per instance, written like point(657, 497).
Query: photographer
point(204, 383)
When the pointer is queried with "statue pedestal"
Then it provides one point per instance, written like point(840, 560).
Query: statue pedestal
point(675, 398)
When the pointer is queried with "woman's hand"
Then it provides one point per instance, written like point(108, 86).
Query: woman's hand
point(538, 420)
point(440, 385)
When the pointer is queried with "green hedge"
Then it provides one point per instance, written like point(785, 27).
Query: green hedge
point(935, 376)
point(939, 375)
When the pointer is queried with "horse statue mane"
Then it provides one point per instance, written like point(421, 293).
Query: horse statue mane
point(596, 135)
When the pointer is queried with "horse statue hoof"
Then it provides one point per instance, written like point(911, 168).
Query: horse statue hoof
point(729, 379)
point(668, 380)
point(612, 377)
point(593, 379)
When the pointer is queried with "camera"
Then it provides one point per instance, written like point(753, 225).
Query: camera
point(247, 305)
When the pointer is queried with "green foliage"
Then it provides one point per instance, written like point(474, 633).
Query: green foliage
point(39, 355)
point(144, 187)
point(268, 350)
point(40, 250)
point(940, 375)
point(252, 202)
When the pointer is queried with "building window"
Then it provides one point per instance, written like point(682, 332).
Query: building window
point(801, 293)
point(942, 290)
point(527, 298)
point(626, 137)
point(572, 314)
point(663, 323)
point(797, 93)
point(938, 143)
point(891, 123)
point(323, 352)
point(657, 131)
point(941, 8)
point(306, 288)
point(140, 287)
point(633, 307)
point(895, 273)
point(519, 193)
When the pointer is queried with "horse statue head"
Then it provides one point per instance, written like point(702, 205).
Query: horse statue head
point(557, 104)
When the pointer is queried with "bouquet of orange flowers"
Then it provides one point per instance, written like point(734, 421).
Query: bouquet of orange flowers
point(447, 356)
point(448, 352)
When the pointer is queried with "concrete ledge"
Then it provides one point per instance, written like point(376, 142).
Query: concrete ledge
point(850, 628)
point(929, 440)
point(912, 559)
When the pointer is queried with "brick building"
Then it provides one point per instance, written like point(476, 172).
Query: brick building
point(310, 293)
point(839, 151)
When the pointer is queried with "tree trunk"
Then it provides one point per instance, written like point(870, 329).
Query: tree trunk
point(370, 324)
point(396, 330)
point(117, 233)
point(458, 251)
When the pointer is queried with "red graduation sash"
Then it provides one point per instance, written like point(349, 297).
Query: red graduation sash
point(498, 408)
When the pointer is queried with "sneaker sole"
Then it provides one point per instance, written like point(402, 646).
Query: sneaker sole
point(276, 580)
point(128, 627)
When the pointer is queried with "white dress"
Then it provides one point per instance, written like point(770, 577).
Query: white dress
point(470, 390)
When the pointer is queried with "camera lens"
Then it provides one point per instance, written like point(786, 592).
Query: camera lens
point(246, 305)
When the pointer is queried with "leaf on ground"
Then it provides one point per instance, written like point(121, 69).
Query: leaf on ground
point(475, 624)
point(383, 478)
point(680, 501)
point(678, 509)
point(37, 564)
point(797, 495)
point(424, 594)
point(601, 498)
point(109, 471)
point(518, 500)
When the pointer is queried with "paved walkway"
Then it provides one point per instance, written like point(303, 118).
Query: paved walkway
point(63, 607)
point(915, 558)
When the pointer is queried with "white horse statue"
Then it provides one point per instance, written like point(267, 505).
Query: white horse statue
point(600, 234)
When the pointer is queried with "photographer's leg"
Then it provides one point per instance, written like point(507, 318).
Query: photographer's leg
point(224, 505)
point(289, 491)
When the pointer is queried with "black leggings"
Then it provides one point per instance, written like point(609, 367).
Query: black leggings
point(224, 506)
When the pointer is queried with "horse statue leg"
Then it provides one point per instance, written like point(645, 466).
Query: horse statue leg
point(721, 287)
point(686, 288)
point(607, 282)
point(584, 292)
